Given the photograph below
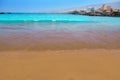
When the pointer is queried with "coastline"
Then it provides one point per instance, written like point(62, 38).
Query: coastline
point(92, 64)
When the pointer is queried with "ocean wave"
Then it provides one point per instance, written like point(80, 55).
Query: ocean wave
point(52, 20)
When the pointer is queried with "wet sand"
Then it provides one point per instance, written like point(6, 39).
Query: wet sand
point(59, 36)
point(37, 40)
point(87, 64)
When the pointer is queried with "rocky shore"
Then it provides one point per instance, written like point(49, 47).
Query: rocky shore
point(105, 10)
point(114, 14)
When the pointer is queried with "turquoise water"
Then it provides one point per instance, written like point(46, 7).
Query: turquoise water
point(58, 32)
point(42, 18)
point(54, 18)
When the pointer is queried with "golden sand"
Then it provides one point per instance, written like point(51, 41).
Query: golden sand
point(60, 65)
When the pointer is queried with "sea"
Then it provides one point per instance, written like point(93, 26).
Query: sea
point(58, 32)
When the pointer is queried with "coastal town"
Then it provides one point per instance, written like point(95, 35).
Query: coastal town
point(104, 10)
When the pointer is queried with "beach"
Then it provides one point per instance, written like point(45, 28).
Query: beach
point(60, 65)
point(59, 47)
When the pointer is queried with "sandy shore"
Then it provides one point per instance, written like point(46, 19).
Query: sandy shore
point(60, 65)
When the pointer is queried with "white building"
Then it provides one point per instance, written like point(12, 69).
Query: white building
point(90, 9)
point(106, 8)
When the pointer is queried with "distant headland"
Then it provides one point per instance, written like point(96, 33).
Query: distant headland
point(5, 13)
point(105, 10)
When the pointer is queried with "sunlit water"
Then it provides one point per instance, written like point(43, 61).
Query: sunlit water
point(58, 32)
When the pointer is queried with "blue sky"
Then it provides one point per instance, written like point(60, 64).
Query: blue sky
point(45, 5)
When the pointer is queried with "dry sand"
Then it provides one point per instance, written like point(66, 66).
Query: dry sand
point(60, 65)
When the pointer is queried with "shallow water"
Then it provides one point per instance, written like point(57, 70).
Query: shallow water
point(58, 32)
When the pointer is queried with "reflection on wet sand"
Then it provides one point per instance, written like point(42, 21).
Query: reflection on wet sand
point(59, 36)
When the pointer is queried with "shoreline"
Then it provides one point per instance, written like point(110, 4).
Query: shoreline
point(68, 13)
